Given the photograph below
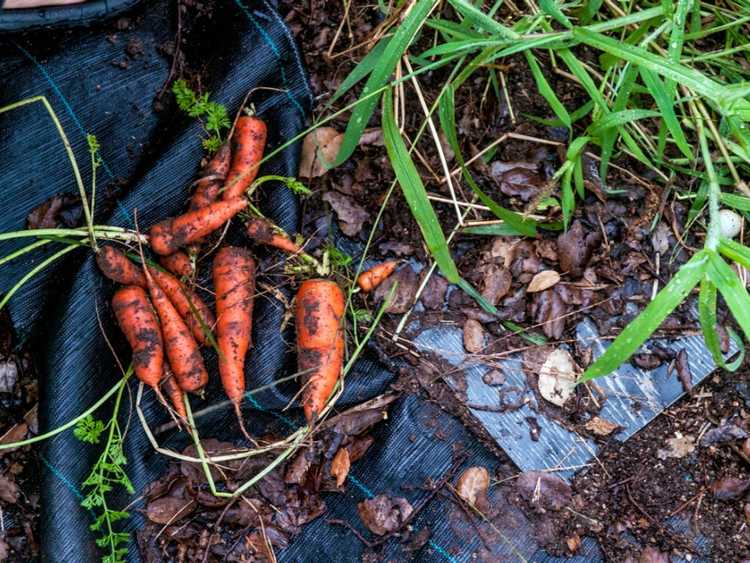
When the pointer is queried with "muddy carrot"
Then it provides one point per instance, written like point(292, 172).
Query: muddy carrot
point(320, 341)
point(171, 234)
point(178, 263)
point(234, 283)
point(116, 266)
point(372, 278)
point(187, 303)
point(266, 233)
point(248, 143)
point(208, 186)
point(140, 325)
point(181, 348)
point(173, 391)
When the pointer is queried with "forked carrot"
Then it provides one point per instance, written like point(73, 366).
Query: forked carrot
point(319, 312)
point(208, 186)
point(248, 143)
point(178, 263)
point(140, 325)
point(267, 233)
point(180, 346)
point(234, 283)
point(116, 266)
point(372, 278)
point(170, 235)
point(187, 303)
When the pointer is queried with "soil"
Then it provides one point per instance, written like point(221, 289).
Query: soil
point(621, 246)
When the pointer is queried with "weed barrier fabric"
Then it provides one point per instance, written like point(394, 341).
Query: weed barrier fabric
point(85, 13)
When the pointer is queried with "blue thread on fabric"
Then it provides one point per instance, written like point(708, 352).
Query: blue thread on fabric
point(275, 49)
point(442, 551)
point(361, 486)
point(56, 472)
point(63, 99)
point(280, 416)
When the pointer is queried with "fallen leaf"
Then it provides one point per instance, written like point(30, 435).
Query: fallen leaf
point(340, 466)
point(472, 485)
point(494, 377)
point(320, 146)
point(473, 336)
point(383, 514)
point(573, 543)
point(496, 283)
point(660, 238)
point(4, 550)
point(406, 291)
point(544, 490)
point(647, 361)
point(728, 432)
point(574, 248)
point(61, 210)
point(601, 426)
point(372, 136)
point(518, 181)
point(548, 310)
point(9, 491)
point(683, 370)
point(398, 248)
point(351, 215)
point(557, 377)
point(8, 375)
point(677, 447)
point(653, 555)
point(166, 510)
point(728, 488)
point(543, 280)
point(433, 295)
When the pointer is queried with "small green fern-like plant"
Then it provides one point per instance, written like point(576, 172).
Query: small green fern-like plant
point(213, 116)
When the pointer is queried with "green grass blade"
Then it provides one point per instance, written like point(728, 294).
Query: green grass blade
point(482, 20)
point(736, 201)
point(396, 47)
point(447, 117)
point(708, 321)
point(732, 290)
point(546, 90)
point(416, 195)
point(620, 118)
point(640, 328)
point(551, 8)
point(665, 103)
point(567, 198)
point(735, 251)
point(363, 69)
point(580, 72)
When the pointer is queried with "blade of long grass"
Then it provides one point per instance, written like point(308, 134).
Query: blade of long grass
point(551, 8)
point(546, 90)
point(620, 118)
point(447, 117)
point(665, 103)
point(707, 317)
point(359, 72)
point(735, 251)
point(482, 20)
point(640, 328)
point(416, 195)
point(732, 290)
point(397, 45)
point(736, 201)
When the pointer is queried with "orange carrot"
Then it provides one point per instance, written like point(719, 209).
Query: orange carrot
point(185, 300)
point(320, 341)
point(182, 350)
point(372, 278)
point(234, 283)
point(178, 263)
point(173, 233)
point(248, 143)
point(115, 265)
point(140, 325)
point(212, 177)
point(173, 391)
point(267, 233)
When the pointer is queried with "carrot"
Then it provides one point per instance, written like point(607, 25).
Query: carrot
point(173, 391)
point(320, 341)
point(212, 176)
point(372, 278)
point(234, 283)
point(248, 143)
point(182, 350)
point(173, 233)
point(187, 303)
point(178, 263)
point(116, 266)
point(267, 233)
point(140, 325)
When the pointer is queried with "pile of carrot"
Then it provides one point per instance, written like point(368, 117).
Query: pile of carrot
point(166, 321)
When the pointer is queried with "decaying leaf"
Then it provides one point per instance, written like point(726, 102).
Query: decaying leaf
point(383, 514)
point(61, 210)
point(472, 486)
point(548, 310)
point(543, 280)
point(319, 147)
point(340, 466)
point(728, 488)
point(728, 432)
point(678, 447)
point(574, 248)
point(473, 336)
point(406, 290)
point(544, 490)
point(601, 426)
point(166, 510)
point(9, 491)
point(351, 215)
point(557, 377)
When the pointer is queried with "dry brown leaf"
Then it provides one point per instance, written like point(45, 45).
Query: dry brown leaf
point(473, 336)
point(601, 426)
point(543, 280)
point(352, 216)
point(340, 466)
point(383, 514)
point(678, 447)
point(557, 377)
point(472, 485)
point(319, 147)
